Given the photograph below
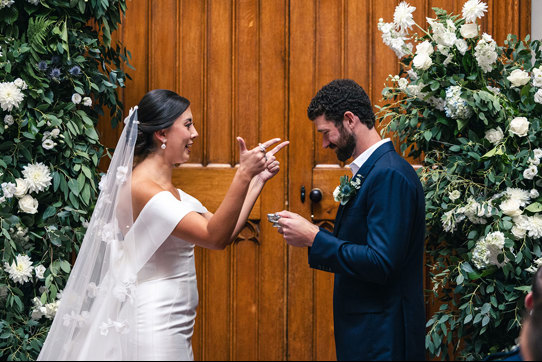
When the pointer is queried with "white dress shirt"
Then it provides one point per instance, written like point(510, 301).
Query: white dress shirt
point(361, 159)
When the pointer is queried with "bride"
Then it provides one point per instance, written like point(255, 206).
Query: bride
point(132, 294)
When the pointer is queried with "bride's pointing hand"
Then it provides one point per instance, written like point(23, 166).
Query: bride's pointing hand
point(254, 161)
point(273, 165)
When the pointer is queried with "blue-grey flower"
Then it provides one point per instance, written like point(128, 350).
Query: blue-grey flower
point(347, 189)
point(55, 73)
point(75, 71)
point(42, 65)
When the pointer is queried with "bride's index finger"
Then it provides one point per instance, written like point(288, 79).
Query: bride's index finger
point(271, 142)
point(279, 147)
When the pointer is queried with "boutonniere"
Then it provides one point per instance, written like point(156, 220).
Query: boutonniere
point(347, 189)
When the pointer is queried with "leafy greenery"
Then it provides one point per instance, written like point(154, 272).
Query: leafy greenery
point(482, 204)
point(61, 53)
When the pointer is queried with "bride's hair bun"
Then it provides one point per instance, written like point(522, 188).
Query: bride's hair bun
point(158, 109)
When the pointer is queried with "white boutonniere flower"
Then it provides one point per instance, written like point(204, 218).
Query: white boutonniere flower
point(347, 189)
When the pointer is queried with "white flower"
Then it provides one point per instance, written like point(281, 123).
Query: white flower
point(493, 89)
point(20, 271)
point(485, 53)
point(538, 96)
point(537, 264)
point(425, 48)
point(402, 83)
point(38, 177)
point(6, 3)
point(520, 195)
point(449, 222)
point(537, 153)
point(20, 83)
point(76, 98)
point(122, 171)
point(422, 61)
point(119, 327)
point(11, 96)
point(446, 39)
point(108, 233)
point(412, 74)
point(437, 103)
point(519, 78)
point(336, 194)
point(48, 144)
point(39, 270)
point(537, 77)
point(469, 31)
point(511, 207)
point(34, 2)
point(530, 172)
point(403, 18)
point(454, 195)
point(8, 120)
point(92, 290)
point(494, 136)
point(9, 189)
point(535, 226)
point(22, 187)
point(55, 133)
point(461, 46)
point(533, 194)
point(103, 182)
point(534, 161)
point(28, 204)
point(474, 9)
point(87, 102)
point(475, 211)
point(519, 126)
point(488, 249)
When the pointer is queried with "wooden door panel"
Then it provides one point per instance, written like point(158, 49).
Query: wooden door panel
point(250, 68)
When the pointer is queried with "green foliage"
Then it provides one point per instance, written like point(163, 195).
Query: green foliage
point(481, 181)
point(58, 55)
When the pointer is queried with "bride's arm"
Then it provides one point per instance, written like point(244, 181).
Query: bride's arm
point(216, 232)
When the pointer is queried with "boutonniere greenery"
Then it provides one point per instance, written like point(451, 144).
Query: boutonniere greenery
point(347, 189)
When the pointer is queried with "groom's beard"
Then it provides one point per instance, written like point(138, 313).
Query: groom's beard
point(345, 149)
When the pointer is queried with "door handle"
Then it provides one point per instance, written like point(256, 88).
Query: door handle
point(316, 195)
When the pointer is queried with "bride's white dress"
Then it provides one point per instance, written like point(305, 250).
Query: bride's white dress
point(166, 293)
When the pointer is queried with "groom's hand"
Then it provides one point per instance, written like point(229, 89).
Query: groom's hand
point(296, 230)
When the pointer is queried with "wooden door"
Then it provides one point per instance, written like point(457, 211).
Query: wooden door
point(250, 68)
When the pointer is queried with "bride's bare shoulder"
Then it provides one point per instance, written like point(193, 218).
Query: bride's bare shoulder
point(143, 191)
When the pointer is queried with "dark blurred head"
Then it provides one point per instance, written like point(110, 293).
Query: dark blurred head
point(157, 110)
point(338, 97)
point(531, 335)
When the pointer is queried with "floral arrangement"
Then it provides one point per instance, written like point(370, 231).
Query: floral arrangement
point(347, 189)
point(56, 73)
point(472, 110)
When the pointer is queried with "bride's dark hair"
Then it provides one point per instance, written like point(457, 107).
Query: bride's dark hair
point(158, 109)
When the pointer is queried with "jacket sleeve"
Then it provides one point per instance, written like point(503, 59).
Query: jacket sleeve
point(391, 208)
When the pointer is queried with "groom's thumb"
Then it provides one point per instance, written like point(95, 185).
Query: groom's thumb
point(242, 144)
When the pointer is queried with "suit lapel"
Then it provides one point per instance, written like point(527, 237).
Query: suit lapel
point(363, 172)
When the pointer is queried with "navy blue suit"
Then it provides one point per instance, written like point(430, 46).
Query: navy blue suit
point(376, 253)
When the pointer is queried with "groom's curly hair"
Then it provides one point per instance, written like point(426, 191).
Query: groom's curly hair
point(340, 96)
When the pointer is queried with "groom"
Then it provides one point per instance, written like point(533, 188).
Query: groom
point(376, 249)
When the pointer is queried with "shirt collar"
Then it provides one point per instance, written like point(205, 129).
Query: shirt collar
point(361, 159)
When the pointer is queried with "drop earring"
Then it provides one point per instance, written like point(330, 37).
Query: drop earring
point(163, 145)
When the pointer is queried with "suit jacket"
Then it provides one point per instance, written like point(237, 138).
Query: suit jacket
point(376, 253)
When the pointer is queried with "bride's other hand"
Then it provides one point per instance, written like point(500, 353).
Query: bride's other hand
point(273, 165)
point(254, 161)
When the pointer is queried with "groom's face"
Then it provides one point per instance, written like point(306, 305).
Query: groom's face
point(339, 138)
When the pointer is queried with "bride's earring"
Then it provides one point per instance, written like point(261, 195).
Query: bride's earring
point(163, 145)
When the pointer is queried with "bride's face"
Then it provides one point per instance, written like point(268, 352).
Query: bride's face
point(180, 138)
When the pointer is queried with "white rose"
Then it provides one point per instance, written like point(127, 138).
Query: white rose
point(76, 98)
point(518, 232)
point(87, 102)
point(530, 172)
point(533, 194)
point(8, 119)
point(28, 204)
point(537, 152)
point(447, 39)
point(402, 83)
point(469, 31)
point(425, 48)
point(336, 193)
point(510, 207)
point(454, 195)
point(21, 188)
point(20, 83)
point(518, 78)
point(537, 77)
point(519, 126)
point(494, 136)
point(538, 96)
point(422, 61)
point(39, 270)
point(461, 46)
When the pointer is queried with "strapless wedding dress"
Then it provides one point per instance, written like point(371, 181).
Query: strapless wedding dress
point(166, 296)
